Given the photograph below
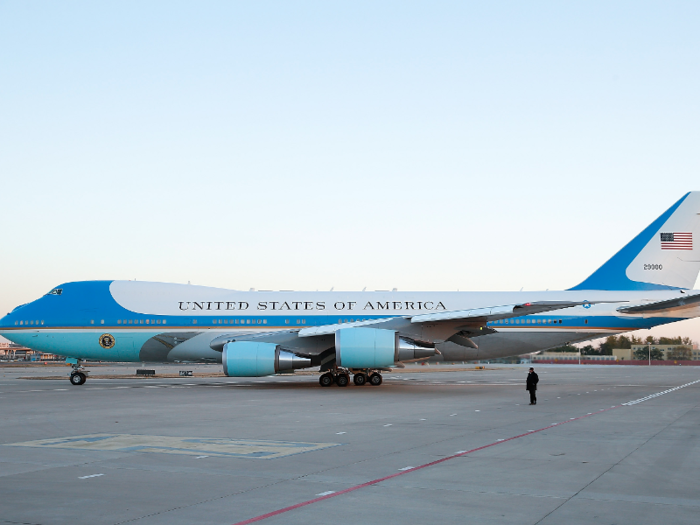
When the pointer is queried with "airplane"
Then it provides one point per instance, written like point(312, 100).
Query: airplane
point(259, 333)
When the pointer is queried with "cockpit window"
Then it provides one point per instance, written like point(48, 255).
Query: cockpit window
point(56, 291)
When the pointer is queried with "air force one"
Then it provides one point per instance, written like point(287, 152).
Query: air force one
point(258, 333)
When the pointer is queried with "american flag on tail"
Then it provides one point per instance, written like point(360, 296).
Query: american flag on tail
point(677, 241)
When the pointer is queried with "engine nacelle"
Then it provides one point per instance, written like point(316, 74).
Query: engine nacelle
point(366, 347)
point(249, 359)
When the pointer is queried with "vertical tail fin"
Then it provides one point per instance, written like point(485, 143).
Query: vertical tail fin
point(666, 255)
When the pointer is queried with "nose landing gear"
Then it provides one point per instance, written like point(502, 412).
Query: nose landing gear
point(78, 375)
point(78, 378)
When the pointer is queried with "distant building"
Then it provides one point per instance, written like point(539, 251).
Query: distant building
point(570, 356)
point(13, 351)
point(626, 354)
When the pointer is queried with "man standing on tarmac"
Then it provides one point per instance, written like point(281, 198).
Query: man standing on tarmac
point(531, 385)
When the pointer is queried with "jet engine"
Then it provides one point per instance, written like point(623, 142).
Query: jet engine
point(249, 359)
point(374, 348)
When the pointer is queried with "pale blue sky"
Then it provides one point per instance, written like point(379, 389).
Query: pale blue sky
point(304, 145)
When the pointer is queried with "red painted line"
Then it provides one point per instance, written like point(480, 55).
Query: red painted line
point(403, 473)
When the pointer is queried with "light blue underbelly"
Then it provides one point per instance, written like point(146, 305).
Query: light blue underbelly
point(84, 345)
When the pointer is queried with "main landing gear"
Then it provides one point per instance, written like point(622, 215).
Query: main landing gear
point(341, 377)
point(78, 375)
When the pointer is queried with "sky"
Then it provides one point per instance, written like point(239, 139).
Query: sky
point(309, 145)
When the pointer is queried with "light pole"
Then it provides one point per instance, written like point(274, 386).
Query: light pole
point(649, 354)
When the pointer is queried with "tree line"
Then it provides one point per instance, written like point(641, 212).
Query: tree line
point(683, 351)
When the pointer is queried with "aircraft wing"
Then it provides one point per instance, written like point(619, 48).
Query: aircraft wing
point(668, 306)
point(494, 313)
point(427, 328)
point(483, 315)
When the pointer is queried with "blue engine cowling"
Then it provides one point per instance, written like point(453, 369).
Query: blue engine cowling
point(249, 359)
point(366, 347)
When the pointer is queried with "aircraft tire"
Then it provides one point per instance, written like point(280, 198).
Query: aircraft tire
point(78, 378)
point(359, 379)
point(375, 379)
point(342, 380)
point(325, 380)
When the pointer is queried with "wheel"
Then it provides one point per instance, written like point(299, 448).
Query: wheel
point(375, 379)
point(77, 378)
point(325, 380)
point(342, 380)
point(359, 379)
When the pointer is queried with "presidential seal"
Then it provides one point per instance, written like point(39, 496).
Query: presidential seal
point(107, 341)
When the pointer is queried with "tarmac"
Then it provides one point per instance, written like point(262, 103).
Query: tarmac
point(603, 445)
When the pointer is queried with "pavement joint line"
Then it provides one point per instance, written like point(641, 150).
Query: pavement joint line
point(448, 458)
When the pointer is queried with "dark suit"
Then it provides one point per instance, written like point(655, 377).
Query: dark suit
point(531, 386)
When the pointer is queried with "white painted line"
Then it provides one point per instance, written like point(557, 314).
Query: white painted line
point(60, 389)
point(406, 468)
point(500, 440)
point(116, 387)
point(453, 415)
point(201, 457)
point(477, 411)
point(530, 430)
point(460, 452)
point(340, 433)
point(388, 425)
point(91, 476)
point(422, 419)
point(326, 493)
